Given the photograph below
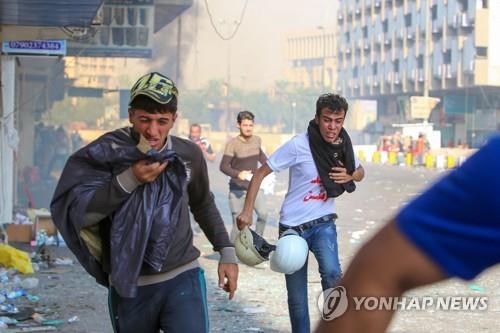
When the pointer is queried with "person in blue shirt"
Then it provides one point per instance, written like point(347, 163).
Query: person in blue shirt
point(451, 230)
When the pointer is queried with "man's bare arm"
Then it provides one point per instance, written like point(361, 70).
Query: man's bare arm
point(388, 265)
point(245, 217)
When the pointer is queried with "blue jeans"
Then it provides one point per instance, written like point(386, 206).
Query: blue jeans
point(322, 241)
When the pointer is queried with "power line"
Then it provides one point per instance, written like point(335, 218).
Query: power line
point(238, 22)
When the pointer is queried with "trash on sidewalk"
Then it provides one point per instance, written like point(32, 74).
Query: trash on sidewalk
point(253, 329)
point(29, 283)
point(13, 258)
point(33, 329)
point(254, 310)
point(63, 262)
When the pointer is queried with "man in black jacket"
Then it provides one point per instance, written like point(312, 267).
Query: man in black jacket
point(169, 292)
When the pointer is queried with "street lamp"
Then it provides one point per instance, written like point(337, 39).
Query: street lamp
point(294, 116)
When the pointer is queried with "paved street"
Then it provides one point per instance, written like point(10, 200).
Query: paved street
point(260, 304)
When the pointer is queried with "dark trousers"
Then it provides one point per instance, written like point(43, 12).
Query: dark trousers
point(178, 305)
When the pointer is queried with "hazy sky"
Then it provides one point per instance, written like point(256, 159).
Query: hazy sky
point(257, 57)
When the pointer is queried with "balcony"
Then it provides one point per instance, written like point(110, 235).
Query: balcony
point(400, 35)
point(438, 74)
point(437, 29)
point(464, 20)
point(453, 23)
point(410, 35)
point(397, 79)
point(387, 41)
point(469, 67)
point(413, 75)
point(388, 77)
point(448, 72)
point(421, 76)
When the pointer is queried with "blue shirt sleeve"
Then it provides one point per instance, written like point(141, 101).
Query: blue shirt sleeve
point(456, 222)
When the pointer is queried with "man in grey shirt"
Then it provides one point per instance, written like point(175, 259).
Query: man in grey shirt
point(241, 157)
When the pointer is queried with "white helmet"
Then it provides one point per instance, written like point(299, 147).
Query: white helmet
point(290, 254)
point(251, 248)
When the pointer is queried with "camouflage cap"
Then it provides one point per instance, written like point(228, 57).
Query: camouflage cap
point(156, 86)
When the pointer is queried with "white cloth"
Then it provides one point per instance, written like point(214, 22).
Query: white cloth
point(306, 198)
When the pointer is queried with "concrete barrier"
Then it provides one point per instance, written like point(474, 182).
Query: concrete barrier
point(429, 161)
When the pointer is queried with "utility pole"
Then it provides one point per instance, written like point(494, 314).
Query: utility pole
point(179, 40)
point(228, 69)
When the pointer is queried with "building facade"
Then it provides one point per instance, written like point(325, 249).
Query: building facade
point(393, 49)
point(311, 58)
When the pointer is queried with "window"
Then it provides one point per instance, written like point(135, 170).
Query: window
point(375, 69)
point(447, 57)
point(420, 61)
point(396, 65)
point(482, 52)
point(434, 12)
point(365, 32)
point(385, 26)
point(408, 20)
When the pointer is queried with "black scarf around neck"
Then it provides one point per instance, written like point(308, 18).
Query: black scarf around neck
point(327, 155)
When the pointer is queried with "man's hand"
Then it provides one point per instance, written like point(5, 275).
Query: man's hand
point(340, 175)
point(245, 175)
point(244, 219)
point(146, 172)
point(228, 278)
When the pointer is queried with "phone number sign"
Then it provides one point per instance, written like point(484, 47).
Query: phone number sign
point(35, 47)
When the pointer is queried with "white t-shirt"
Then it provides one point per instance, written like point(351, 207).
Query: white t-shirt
point(306, 198)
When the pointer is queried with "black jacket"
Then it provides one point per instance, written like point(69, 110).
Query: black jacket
point(142, 229)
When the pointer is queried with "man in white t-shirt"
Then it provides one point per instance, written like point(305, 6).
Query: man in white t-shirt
point(309, 206)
